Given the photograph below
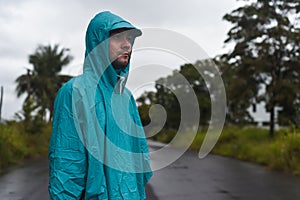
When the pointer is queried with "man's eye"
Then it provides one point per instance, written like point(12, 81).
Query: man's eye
point(116, 36)
point(130, 39)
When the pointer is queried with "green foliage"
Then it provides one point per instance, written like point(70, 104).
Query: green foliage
point(42, 83)
point(16, 145)
point(286, 153)
point(265, 58)
point(31, 124)
point(179, 86)
point(143, 111)
point(254, 145)
point(165, 136)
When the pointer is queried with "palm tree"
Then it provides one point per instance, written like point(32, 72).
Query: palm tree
point(42, 83)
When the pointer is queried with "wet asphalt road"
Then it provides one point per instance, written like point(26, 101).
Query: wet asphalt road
point(189, 178)
point(25, 182)
point(29, 181)
point(220, 178)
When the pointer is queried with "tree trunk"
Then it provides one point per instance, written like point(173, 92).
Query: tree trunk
point(50, 117)
point(272, 121)
point(51, 112)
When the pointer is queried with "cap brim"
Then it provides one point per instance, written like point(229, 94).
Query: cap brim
point(124, 26)
point(136, 32)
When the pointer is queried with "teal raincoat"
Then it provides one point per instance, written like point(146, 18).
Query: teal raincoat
point(98, 148)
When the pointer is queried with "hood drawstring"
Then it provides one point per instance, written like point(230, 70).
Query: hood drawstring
point(120, 85)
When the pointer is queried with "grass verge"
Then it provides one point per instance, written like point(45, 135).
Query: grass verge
point(253, 144)
point(16, 145)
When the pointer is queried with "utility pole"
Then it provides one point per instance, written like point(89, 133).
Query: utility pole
point(1, 102)
point(28, 82)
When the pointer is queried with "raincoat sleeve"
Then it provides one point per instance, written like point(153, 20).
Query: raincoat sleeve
point(67, 156)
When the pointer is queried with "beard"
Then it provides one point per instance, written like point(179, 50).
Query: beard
point(119, 63)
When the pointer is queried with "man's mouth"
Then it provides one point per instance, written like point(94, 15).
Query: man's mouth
point(125, 54)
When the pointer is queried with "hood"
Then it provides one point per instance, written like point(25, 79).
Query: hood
point(97, 63)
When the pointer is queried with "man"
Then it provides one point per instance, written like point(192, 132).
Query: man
point(98, 148)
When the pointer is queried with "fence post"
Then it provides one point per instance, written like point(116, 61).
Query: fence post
point(1, 102)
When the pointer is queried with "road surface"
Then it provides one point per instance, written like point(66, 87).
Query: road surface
point(29, 181)
point(220, 178)
point(189, 178)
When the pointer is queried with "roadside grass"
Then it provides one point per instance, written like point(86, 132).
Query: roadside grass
point(16, 145)
point(282, 152)
point(253, 144)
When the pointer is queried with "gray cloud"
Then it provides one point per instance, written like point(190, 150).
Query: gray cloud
point(26, 23)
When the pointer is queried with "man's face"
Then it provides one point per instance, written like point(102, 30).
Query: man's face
point(120, 47)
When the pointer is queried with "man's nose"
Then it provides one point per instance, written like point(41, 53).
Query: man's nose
point(126, 45)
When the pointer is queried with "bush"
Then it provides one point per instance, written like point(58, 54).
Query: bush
point(17, 145)
point(253, 144)
point(164, 136)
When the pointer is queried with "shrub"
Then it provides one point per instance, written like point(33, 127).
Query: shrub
point(17, 145)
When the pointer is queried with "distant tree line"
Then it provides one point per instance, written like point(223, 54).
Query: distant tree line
point(264, 66)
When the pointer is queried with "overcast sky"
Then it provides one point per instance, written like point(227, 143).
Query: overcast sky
point(26, 23)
